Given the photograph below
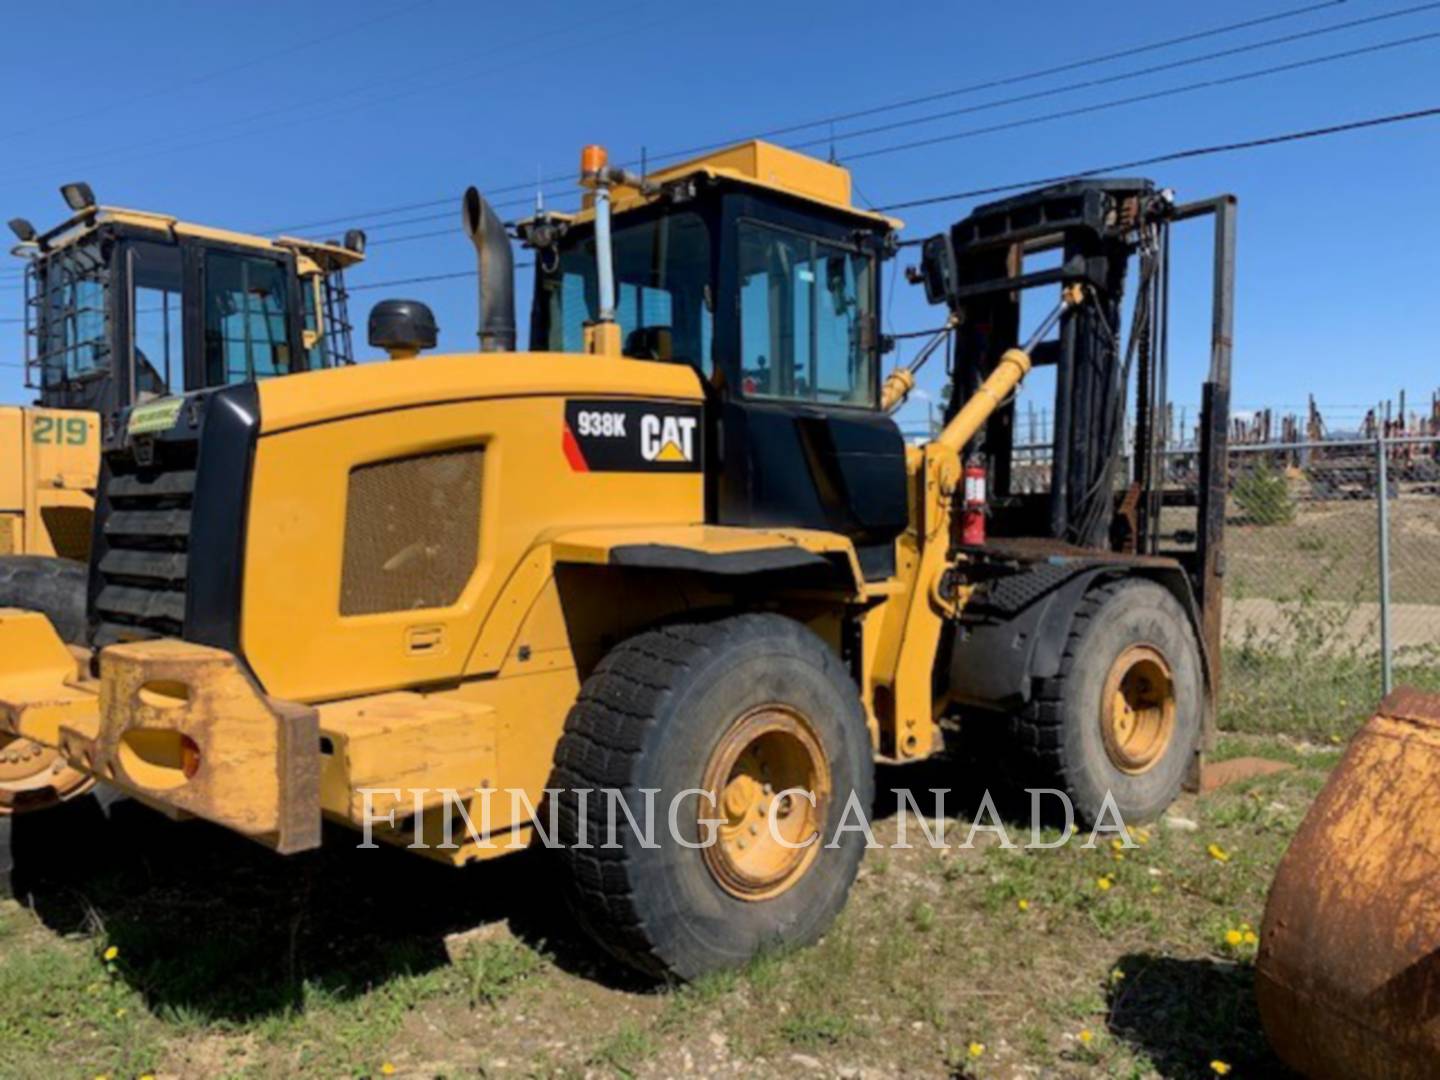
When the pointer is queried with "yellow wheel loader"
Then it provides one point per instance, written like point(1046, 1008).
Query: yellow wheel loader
point(660, 591)
point(124, 307)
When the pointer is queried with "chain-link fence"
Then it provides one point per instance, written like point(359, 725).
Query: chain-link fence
point(1331, 587)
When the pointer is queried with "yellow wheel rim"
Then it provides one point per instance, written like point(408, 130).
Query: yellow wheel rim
point(1137, 709)
point(33, 776)
point(767, 752)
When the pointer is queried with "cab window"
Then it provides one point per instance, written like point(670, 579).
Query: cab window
point(316, 356)
point(69, 309)
point(663, 301)
point(246, 336)
point(806, 318)
point(156, 341)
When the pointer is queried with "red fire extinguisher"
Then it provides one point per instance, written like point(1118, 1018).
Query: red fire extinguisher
point(972, 516)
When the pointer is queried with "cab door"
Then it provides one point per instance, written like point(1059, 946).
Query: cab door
point(801, 440)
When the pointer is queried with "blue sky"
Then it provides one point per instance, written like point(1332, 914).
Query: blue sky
point(270, 115)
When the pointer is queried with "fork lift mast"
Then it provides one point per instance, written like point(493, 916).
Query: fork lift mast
point(124, 307)
point(678, 547)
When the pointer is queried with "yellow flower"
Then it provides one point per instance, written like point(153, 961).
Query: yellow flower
point(1104, 883)
point(1117, 844)
point(1116, 975)
point(1085, 1036)
point(1143, 835)
point(1233, 937)
point(1218, 853)
point(120, 1012)
point(111, 953)
point(147, 1076)
point(388, 1069)
point(1119, 856)
point(1219, 1068)
point(976, 1049)
point(1250, 938)
point(1023, 905)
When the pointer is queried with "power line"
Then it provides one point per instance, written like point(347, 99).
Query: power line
point(1107, 105)
point(1028, 76)
point(1010, 80)
point(1154, 95)
point(424, 279)
point(1087, 84)
point(1177, 155)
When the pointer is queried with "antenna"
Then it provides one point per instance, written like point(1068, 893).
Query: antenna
point(539, 192)
point(644, 163)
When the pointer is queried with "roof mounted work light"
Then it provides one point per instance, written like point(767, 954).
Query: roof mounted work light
point(78, 195)
point(23, 230)
point(355, 241)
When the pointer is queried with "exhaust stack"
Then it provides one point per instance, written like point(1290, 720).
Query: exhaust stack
point(497, 273)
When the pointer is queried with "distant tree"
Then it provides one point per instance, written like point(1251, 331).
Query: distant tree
point(1263, 497)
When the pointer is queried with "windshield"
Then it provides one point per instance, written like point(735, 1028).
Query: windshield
point(663, 300)
point(67, 310)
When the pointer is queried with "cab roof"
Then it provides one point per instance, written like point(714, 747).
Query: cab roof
point(327, 257)
point(755, 164)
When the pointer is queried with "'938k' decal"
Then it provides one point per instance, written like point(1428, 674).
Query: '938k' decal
point(632, 436)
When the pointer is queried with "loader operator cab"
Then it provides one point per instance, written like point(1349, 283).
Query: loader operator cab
point(752, 267)
point(123, 306)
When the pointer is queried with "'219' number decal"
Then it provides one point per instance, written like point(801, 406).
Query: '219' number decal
point(61, 430)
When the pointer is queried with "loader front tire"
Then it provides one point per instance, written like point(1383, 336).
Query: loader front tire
point(52, 586)
point(743, 709)
point(1124, 715)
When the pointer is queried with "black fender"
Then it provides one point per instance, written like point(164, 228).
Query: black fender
point(1015, 633)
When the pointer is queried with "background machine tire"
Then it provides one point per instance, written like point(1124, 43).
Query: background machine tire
point(1125, 712)
point(54, 587)
point(727, 706)
point(33, 777)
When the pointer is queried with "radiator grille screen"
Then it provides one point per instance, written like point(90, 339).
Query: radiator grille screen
point(412, 532)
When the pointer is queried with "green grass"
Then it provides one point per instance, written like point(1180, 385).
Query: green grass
point(981, 963)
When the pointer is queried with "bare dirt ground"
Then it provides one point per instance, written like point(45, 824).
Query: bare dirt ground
point(1347, 626)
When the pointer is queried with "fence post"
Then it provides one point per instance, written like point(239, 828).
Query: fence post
point(1383, 502)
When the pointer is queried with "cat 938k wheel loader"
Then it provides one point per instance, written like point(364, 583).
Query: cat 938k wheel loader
point(124, 308)
point(679, 547)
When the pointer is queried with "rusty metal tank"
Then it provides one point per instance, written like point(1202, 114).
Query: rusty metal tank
point(1348, 971)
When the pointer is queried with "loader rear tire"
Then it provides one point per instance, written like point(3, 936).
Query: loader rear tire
point(54, 587)
point(1124, 714)
point(746, 707)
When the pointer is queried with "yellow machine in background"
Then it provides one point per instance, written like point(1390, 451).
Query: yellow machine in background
point(678, 547)
point(125, 307)
point(49, 464)
point(112, 299)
